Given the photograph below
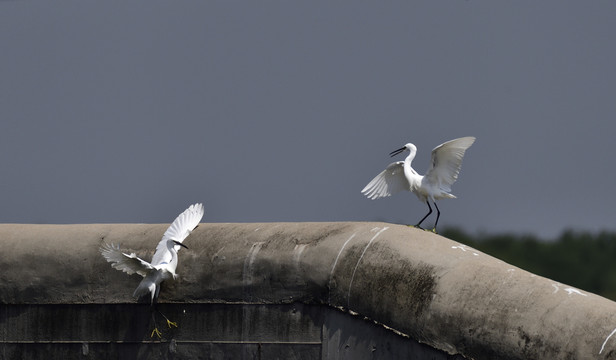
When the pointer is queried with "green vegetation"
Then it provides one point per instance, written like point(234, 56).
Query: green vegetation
point(584, 260)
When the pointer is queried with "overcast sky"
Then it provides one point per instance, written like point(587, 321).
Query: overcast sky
point(129, 111)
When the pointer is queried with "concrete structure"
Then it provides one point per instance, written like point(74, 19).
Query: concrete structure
point(289, 291)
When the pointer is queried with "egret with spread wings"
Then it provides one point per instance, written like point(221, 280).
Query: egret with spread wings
point(164, 262)
point(434, 185)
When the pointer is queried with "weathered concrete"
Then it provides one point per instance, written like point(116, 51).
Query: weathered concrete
point(206, 331)
point(413, 283)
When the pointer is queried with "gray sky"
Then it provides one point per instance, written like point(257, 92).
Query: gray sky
point(129, 111)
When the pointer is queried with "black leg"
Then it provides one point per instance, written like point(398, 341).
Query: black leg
point(428, 214)
point(155, 331)
point(438, 214)
point(154, 309)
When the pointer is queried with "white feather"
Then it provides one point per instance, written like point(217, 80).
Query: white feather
point(178, 231)
point(436, 184)
point(165, 259)
point(130, 264)
point(446, 162)
point(388, 182)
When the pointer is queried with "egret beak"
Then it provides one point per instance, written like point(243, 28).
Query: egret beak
point(396, 152)
point(179, 243)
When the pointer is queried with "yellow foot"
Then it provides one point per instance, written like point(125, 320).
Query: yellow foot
point(155, 331)
point(434, 231)
point(171, 323)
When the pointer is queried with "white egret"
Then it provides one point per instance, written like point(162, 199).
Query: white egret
point(434, 185)
point(164, 261)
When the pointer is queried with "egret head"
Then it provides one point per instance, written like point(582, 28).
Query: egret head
point(410, 147)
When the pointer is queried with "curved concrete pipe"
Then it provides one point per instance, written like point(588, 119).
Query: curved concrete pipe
point(419, 284)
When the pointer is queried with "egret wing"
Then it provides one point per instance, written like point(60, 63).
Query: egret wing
point(388, 182)
point(130, 264)
point(447, 162)
point(178, 231)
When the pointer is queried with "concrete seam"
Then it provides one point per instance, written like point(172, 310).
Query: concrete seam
point(357, 265)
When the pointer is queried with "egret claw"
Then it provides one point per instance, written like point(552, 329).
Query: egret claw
point(155, 331)
point(171, 323)
point(434, 231)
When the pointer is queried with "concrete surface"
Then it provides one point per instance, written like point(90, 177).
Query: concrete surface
point(291, 290)
point(206, 331)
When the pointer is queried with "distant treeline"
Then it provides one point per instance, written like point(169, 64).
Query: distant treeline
point(580, 259)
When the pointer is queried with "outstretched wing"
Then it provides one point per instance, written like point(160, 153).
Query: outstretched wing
point(178, 231)
point(130, 264)
point(388, 182)
point(447, 162)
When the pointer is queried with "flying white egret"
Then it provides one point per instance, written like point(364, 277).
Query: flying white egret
point(164, 261)
point(434, 185)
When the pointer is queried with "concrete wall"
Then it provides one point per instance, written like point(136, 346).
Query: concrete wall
point(289, 291)
point(206, 331)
